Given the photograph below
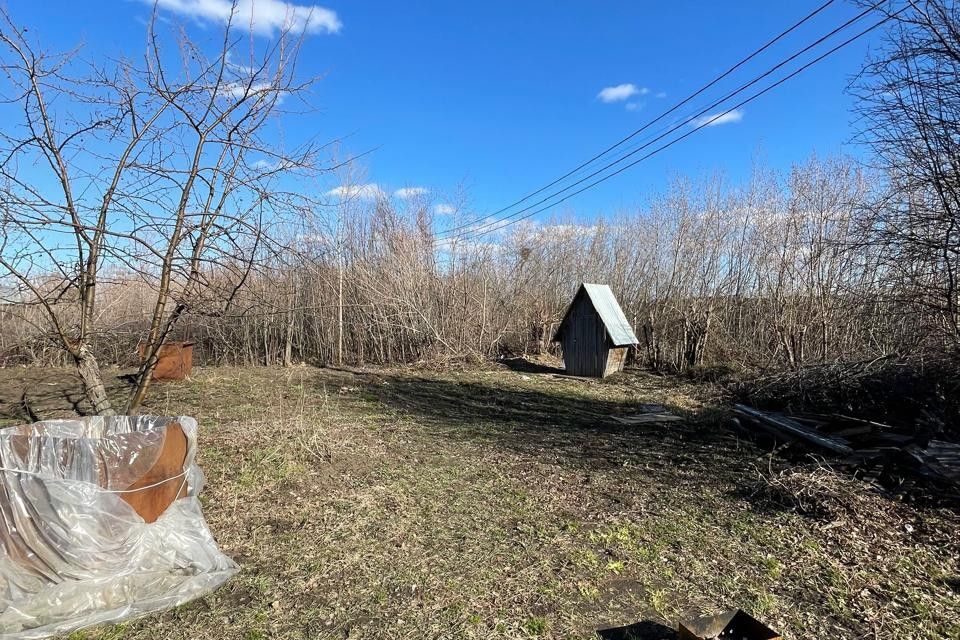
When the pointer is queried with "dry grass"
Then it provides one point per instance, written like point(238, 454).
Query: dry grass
point(494, 503)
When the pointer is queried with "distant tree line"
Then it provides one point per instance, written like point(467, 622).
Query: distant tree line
point(833, 260)
point(774, 272)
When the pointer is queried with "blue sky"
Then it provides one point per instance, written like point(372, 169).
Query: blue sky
point(502, 97)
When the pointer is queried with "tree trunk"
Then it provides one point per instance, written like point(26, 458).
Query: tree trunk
point(340, 313)
point(89, 372)
point(144, 376)
point(288, 340)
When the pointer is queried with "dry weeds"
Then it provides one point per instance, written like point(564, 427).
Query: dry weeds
point(501, 503)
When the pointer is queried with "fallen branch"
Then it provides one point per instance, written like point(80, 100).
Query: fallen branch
point(781, 426)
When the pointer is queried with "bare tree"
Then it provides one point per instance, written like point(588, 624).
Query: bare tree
point(158, 171)
point(910, 109)
point(765, 274)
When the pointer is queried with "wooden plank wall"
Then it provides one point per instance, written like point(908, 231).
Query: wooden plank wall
point(616, 357)
point(584, 341)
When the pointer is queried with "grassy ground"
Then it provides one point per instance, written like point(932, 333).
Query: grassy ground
point(497, 503)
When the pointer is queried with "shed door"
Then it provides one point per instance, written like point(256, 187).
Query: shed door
point(584, 341)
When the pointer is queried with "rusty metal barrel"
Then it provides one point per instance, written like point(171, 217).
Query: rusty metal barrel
point(174, 360)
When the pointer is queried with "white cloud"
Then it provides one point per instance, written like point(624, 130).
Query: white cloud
point(565, 231)
point(465, 246)
point(238, 90)
point(410, 192)
point(263, 17)
point(270, 166)
point(633, 106)
point(621, 92)
point(714, 119)
point(266, 165)
point(241, 69)
point(533, 231)
point(661, 94)
point(444, 209)
point(370, 191)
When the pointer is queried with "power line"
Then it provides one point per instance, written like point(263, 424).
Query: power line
point(683, 123)
point(690, 97)
point(806, 66)
point(497, 224)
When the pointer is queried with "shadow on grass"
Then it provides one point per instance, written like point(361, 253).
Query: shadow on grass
point(522, 365)
point(953, 584)
point(563, 425)
point(30, 395)
point(646, 630)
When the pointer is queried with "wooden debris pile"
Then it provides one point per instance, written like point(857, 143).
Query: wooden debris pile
point(880, 448)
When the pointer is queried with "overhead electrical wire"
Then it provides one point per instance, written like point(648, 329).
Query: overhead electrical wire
point(503, 223)
point(690, 97)
point(486, 222)
point(490, 223)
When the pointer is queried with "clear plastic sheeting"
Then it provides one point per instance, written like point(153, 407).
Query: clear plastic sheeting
point(100, 522)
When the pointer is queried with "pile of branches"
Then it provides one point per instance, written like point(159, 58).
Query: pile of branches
point(916, 394)
point(898, 462)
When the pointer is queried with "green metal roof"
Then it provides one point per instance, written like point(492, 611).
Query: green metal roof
point(607, 307)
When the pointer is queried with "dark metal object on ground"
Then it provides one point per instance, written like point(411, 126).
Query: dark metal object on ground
point(941, 458)
point(646, 630)
point(732, 625)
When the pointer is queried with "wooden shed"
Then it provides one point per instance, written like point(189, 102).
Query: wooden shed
point(594, 333)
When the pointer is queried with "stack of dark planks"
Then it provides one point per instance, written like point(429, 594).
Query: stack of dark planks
point(881, 451)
